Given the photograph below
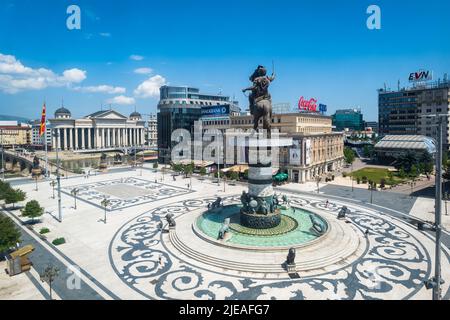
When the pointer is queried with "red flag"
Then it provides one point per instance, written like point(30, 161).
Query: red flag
point(43, 126)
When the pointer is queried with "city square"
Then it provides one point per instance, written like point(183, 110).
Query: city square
point(131, 257)
point(212, 160)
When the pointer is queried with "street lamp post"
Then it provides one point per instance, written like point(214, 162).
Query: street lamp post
point(53, 184)
point(218, 166)
point(3, 151)
point(74, 192)
point(105, 203)
point(438, 204)
point(371, 188)
point(58, 177)
point(351, 176)
point(436, 282)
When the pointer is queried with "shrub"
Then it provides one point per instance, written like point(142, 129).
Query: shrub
point(358, 180)
point(344, 174)
point(78, 171)
point(59, 241)
point(155, 165)
point(383, 183)
point(364, 179)
point(44, 231)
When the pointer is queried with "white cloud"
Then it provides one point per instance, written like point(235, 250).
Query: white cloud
point(150, 87)
point(105, 34)
point(101, 89)
point(121, 100)
point(143, 70)
point(9, 64)
point(15, 77)
point(74, 75)
point(136, 57)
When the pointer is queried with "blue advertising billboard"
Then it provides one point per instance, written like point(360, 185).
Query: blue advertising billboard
point(216, 111)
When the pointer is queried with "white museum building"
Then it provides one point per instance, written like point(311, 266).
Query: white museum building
point(102, 130)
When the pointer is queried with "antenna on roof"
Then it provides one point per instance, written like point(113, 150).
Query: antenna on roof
point(385, 86)
point(62, 102)
point(398, 84)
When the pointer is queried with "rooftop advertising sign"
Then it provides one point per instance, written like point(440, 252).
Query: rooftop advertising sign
point(307, 105)
point(216, 111)
point(421, 76)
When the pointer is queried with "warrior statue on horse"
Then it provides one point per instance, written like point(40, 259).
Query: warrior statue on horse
point(259, 99)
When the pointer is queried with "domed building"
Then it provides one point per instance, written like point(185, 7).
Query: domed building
point(63, 113)
point(135, 116)
point(99, 131)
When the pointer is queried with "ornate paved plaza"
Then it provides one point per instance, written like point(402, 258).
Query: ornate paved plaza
point(394, 264)
point(373, 255)
point(125, 192)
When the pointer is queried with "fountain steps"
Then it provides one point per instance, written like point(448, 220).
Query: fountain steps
point(312, 257)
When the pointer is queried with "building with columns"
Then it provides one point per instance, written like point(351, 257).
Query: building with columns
point(102, 130)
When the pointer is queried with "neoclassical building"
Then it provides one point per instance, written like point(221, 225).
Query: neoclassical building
point(101, 130)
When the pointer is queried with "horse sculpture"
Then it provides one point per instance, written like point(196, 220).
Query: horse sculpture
point(224, 229)
point(260, 100)
point(318, 225)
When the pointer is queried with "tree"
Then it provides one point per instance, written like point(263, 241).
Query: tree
point(368, 151)
point(188, 169)
point(155, 165)
point(234, 175)
point(349, 155)
point(203, 171)
point(415, 171)
point(9, 234)
point(13, 196)
point(4, 187)
point(445, 160)
point(32, 210)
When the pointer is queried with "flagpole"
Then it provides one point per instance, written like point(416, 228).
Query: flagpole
point(46, 151)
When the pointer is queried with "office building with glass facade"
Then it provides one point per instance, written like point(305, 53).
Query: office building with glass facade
point(179, 108)
point(404, 112)
point(351, 119)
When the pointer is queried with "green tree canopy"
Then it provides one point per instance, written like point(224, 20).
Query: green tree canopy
point(14, 195)
point(202, 171)
point(9, 234)
point(4, 187)
point(349, 155)
point(32, 210)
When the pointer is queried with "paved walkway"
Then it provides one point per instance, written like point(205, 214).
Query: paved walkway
point(94, 245)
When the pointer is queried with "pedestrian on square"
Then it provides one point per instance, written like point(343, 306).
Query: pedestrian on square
point(160, 259)
point(326, 204)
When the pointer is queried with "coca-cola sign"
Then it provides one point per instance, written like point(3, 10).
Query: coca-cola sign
point(307, 105)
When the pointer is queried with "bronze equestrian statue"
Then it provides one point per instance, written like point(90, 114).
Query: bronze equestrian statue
point(259, 99)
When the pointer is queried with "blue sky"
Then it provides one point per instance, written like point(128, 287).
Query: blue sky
point(321, 49)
